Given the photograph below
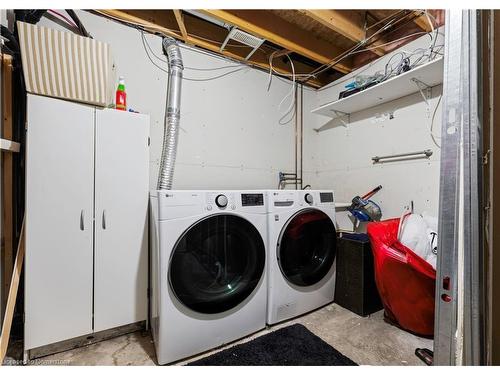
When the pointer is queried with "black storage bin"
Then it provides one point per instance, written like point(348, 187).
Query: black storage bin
point(355, 287)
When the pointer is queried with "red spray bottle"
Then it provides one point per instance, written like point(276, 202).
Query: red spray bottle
point(121, 95)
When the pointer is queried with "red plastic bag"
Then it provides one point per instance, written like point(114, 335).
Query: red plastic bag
point(405, 281)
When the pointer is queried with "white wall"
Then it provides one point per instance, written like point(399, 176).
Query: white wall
point(340, 157)
point(230, 136)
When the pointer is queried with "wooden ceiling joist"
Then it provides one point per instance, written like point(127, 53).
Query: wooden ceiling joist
point(143, 17)
point(422, 21)
point(278, 31)
point(180, 21)
point(313, 39)
point(350, 24)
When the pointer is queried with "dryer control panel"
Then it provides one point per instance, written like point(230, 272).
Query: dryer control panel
point(256, 199)
point(316, 198)
point(326, 197)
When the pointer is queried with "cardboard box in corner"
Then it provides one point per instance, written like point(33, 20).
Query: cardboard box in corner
point(67, 66)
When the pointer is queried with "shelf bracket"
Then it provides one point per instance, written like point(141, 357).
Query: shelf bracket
point(340, 115)
point(423, 87)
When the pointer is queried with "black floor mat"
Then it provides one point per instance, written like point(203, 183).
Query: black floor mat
point(294, 345)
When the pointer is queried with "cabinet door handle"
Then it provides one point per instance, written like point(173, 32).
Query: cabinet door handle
point(82, 220)
point(103, 219)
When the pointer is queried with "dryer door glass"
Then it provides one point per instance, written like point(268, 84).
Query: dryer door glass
point(217, 264)
point(307, 247)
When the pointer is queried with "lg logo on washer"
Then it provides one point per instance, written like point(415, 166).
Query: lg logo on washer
point(172, 195)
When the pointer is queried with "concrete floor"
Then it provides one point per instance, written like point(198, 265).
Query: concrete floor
point(367, 341)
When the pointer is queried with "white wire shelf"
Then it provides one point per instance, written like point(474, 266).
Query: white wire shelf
point(424, 76)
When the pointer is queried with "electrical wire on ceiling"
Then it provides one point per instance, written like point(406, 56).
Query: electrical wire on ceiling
point(283, 119)
point(186, 67)
point(350, 51)
point(141, 28)
point(310, 75)
point(238, 62)
point(432, 48)
point(393, 41)
point(390, 69)
point(304, 76)
point(210, 54)
point(186, 78)
point(347, 53)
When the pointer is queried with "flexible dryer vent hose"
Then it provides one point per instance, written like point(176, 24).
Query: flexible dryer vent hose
point(172, 113)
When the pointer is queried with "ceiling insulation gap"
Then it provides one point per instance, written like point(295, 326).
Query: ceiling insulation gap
point(244, 38)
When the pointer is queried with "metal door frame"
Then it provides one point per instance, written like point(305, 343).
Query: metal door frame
point(459, 324)
point(492, 182)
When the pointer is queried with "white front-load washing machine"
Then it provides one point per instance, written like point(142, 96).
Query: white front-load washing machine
point(302, 247)
point(208, 269)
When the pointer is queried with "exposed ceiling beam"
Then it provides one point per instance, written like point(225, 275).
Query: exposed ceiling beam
point(422, 21)
point(259, 59)
point(180, 21)
point(278, 31)
point(348, 23)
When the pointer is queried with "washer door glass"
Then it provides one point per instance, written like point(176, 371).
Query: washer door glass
point(307, 247)
point(217, 263)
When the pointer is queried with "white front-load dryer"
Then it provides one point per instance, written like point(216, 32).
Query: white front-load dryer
point(302, 247)
point(208, 269)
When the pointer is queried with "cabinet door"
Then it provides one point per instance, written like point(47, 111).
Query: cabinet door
point(59, 220)
point(121, 204)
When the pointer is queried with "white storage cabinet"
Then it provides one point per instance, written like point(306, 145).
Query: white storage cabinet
point(86, 220)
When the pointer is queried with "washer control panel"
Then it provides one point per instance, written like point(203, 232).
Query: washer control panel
point(226, 201)
point(221, 201)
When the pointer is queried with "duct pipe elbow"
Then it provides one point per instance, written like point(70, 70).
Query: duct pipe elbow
point(172, 51)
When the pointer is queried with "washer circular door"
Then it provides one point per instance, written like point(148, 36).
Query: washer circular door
point(217, 263)
point(307, 247)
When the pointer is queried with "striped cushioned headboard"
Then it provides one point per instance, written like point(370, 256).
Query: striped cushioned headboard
point(66, 65)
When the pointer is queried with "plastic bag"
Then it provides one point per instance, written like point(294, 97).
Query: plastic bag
point(405, 281)
point(419, 233)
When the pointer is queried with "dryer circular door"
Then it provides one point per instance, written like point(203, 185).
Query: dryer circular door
point(307, 247)
point(217, 263)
